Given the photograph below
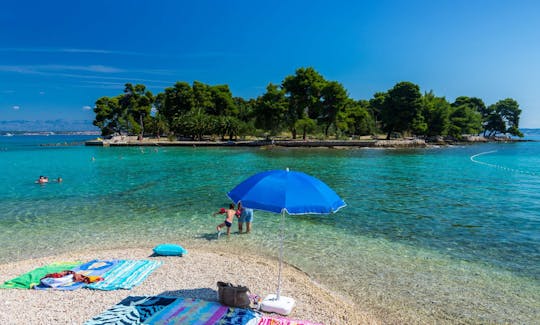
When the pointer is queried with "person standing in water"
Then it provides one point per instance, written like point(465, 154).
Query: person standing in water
point(245, 215)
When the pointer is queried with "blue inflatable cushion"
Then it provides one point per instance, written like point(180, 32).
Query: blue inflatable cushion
point(170, 250)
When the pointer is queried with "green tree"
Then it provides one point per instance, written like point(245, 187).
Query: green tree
point(108, 116)
point(509, 113)
point(160, 125)
point(270, 110)
point(306, 125)
point(474, 104)
point(195, 123)
point(436, 111)
point(137, 102)
point(228, 125)
point(175, 101)
point(377, 105)
point(464, 120)
point(245, 108)
point(202, 95)
point(401, 110)
point(223, 103)
point(494, 124)
point(334, 99)
point(356, 119)
point(303, 91)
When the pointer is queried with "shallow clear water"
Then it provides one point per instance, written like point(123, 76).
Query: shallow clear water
point(428, 234)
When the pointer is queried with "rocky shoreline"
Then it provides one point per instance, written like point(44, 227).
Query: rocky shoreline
point(132, 141)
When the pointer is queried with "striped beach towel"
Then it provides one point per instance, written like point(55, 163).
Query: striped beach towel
point(190, 312)
point(133, 310)
point(126, 274)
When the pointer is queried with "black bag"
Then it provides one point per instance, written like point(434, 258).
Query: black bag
point(233, 296)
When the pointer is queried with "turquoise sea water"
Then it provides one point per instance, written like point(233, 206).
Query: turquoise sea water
point(429, 235)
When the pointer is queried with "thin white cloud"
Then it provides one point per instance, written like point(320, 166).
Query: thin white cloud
point(193, 55)
point(89, 68)
point(87, 108)
point(17, 68)
point(38, 69)
point(62, 70)
point(16, 107)
point(69, 50)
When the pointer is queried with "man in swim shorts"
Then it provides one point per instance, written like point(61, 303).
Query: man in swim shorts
point(246, 215)
point(230, 214)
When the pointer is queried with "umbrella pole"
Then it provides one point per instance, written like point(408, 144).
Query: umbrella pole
point(282, 235)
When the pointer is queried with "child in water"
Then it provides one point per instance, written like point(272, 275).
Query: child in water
point(230, 214)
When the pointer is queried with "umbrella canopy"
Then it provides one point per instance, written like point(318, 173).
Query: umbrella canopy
point(283, 191)
point(289, 191)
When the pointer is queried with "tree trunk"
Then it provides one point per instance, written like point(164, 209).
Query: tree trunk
point(293, 131)
point(142, 127)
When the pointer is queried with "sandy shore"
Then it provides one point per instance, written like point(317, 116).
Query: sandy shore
point(194, 275)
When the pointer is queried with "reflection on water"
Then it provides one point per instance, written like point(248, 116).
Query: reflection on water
point(427, 234)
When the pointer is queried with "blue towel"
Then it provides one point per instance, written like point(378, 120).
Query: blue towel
point(125, 275)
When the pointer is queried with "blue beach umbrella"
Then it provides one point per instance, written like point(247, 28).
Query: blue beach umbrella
point(281, 191)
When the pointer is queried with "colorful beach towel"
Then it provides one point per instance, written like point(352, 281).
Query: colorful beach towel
point(133, 310)
point(125, 275)
point(190, 312)
point(32, 278)
point(266, 320)
point(92, 268)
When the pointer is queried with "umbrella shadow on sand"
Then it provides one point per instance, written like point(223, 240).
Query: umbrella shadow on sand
point(198, 293)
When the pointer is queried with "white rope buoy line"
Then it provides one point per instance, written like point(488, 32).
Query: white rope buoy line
point(473, 159)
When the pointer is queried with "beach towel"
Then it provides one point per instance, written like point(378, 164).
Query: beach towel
point(32, 278)
point(133, 310)
point(92, 268)
point(190, 312)
point(125, 275)
point(267, 320)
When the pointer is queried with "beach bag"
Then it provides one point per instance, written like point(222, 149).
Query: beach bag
point(233, 296)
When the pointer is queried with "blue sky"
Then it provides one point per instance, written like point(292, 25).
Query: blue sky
point(57, 58)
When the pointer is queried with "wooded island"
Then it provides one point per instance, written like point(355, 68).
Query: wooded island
point(303, 104)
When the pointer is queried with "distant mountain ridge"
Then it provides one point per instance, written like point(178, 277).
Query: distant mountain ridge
point(47, 125)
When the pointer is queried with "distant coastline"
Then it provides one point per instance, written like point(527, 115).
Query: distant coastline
point(45, 133)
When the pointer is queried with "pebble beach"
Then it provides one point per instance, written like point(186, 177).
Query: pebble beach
point(191, 276)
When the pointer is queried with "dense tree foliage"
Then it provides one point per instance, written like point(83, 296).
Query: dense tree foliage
point(507, 113)
point(304, 103)
point(271, 110)
point(401, 109)
point(303, 91)
point(436, 112)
